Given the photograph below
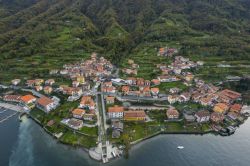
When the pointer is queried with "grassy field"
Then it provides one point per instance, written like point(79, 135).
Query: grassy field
point(78, 140)
point(90, 130)
point(166, 86)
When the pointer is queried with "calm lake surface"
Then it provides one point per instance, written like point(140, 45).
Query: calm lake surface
point(26, 144)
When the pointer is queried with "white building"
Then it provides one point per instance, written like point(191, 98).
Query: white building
point(115, 112)
point(202, 116)
point(46, 104)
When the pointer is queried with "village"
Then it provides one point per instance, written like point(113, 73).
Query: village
point(109, 112)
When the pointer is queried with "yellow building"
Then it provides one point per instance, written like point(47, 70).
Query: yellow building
point(134, 116)
point(80, 79)
point(39, 81)
point(220, 108)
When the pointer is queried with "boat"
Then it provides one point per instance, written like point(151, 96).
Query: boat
point(180, 147)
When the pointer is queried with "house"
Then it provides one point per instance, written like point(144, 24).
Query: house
point(86, 86)
point(78, 113)
point(206, 101)
point(146, 91)
point(236, 108)
point(71, 91)
point(87, 102)
point(189, 77)
point(228, 96)
point(212, 88)
point(75, 84)
point(30, 83)
point(39, 82)
point(147, 83)
point(50, 123)
point(173, 98)
point(49, 82)
point(168, 78)
point(233, 115)
point(53, 72)
point(155, 82)
point(220, 108)
point(140, 82)
point(28, 99)
point(161, 51)
point(185, 96)
point(45, 104)
point(38, 88)
point(110, 99)
point(130, 61)
point(131, 81)
point(135, 66)
point(15, 81)
point(216, 117)
point(202, 116)
point(117, 125)
point(200, 63)
point(115, 112)
point(80, 79)
point(130, 71)
point(76, 91)
point(174, 90)
point(116, 134)
point(125, 89)
point(64, 72)
point(107, 89)
point(73, 123)
point(89, 116)
point(189, 117)
point(47, 89)
point(107, 84)
point(154, 91)
point(172, 113)
point(134, 116)
point(12, 98)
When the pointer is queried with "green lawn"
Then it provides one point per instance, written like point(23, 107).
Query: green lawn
point(165, 86)
point(90, 130)
point(76, 139)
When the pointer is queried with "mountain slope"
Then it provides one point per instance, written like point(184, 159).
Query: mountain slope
point(67, 29)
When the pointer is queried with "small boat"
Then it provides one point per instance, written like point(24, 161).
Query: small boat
point(180, 147)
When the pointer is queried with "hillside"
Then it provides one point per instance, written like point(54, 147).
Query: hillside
point(37, 35)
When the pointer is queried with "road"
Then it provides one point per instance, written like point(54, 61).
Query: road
point(133, 98)
point(33, 92)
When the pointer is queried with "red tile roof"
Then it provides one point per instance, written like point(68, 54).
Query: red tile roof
point(44, 101)
point(236, 107)
point(134, 114)
point(27, 98)
point(116, 108)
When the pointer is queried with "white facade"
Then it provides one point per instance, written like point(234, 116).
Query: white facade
point(115, 114)
point(201, 119)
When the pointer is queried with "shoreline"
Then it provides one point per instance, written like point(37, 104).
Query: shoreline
point(132, 144)
point(167, 133)
point(53, 136)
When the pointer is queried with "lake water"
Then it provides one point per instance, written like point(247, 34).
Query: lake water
point(26, 144)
